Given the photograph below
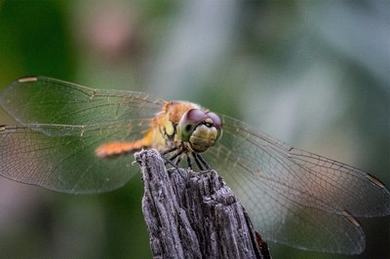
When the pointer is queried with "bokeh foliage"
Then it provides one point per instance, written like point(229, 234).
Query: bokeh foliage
point(313, 73)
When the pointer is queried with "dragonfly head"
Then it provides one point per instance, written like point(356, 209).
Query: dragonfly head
point(200, 129)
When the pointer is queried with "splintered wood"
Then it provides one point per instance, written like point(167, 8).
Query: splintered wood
point(194, 215)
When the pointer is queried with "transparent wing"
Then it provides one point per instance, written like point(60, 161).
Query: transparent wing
point(61, 126)
point(45, 100)
point(295, 197)
point(65, 163)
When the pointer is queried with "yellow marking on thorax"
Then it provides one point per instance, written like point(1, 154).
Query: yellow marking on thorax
point(169, 129)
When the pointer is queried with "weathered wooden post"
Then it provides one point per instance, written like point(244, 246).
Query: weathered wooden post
point(194, 215)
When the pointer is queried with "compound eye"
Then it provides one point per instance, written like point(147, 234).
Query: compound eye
point(190, 120)
point(194, 116)
point(217, 122)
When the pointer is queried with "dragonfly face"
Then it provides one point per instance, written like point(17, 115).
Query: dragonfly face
point(65, 134)
point(199, 129)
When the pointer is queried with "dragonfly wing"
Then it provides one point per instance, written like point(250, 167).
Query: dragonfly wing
point(292, 201)
point(279, 217)
point(61, 126)
point(65, 163)
point(50, 101)
point(317, 181)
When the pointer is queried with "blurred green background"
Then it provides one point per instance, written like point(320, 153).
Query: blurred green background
point(315, 74)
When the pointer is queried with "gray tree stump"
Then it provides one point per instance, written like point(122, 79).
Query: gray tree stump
point(194, 215)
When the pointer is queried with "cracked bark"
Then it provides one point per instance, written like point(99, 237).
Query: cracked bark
point(194, 215)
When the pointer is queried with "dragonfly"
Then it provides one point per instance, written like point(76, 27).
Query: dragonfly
point(74, 139)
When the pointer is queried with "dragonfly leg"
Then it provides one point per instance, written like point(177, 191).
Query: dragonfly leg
point(198, 163)
point(167, 161)
point(177, 160)
point(176, 156)
point(203, 161)
point(172, 158)
point(189, 163)
point(169, 150)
